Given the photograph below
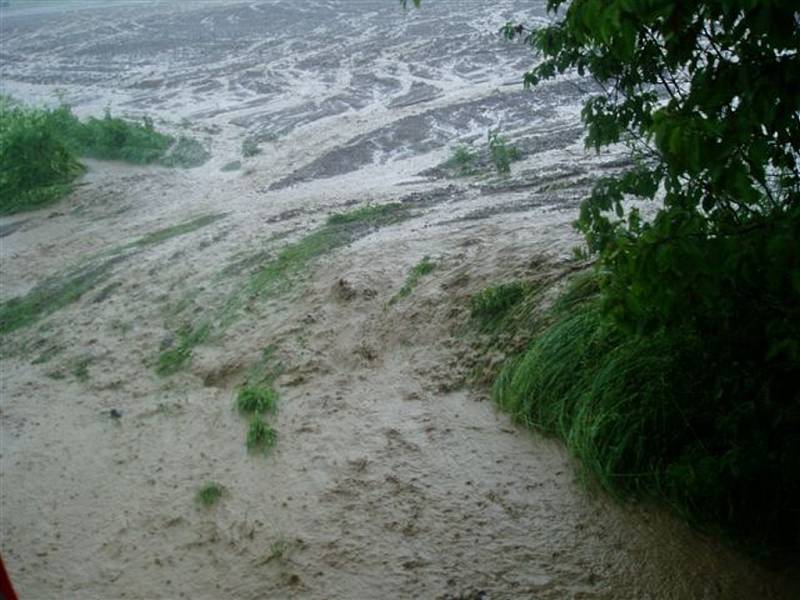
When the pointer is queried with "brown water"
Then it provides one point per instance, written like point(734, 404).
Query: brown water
point(389, 479)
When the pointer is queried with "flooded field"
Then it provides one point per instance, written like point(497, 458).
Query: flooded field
point(390, 477)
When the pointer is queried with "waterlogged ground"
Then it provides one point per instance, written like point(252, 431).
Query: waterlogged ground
point(136, 308)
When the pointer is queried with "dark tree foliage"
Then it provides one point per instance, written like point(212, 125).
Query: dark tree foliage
point(706, 95)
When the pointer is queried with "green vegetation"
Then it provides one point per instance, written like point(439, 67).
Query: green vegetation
point(60, 291)
point(257, 399)
point(80, 368)
point(171, 361)
point(678, 378)
point(209, 494)
point(162, 235)
point(234, 165)
point(463, 161)
point(417, 272)
point(39, 150)
point(260, 436)
point(278, 274)
point(493, 303)
point(501, 153)
point(36, 165)
point(186, 153)
point(250, 148)
point(278, 549)
point(51, 295)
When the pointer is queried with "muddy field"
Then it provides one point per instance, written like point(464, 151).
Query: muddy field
point(390, 477)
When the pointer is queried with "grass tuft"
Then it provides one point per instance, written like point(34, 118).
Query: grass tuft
point(260, 435)
point(417, 272)
point(172, 360)
point(209, 494)
point(257, 399)
point(463, 161)
point(494, 302)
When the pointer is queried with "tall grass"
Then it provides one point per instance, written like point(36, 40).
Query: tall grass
point(644, 417)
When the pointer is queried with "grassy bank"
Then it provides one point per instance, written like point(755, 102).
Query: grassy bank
point(665, 416)
point(40, 147)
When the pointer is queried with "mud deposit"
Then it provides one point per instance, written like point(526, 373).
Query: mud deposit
point(390, 478)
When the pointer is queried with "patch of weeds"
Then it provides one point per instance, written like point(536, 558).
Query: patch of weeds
point(502, 154)
point(278, 549)
point(277, 275)
point(112, 138)
point(372, 214)
point(47, 355)
point(209, 494)
point(492, 303)
point(260, 435)
point(80, 368)
point(463, 161)
point(250, 148)
point(171, 361)
point(257, 399)
point(417, 272)
point(186, 153)
point(234, 165)
point(52, 294)
point(162, 235)
point(106, 292)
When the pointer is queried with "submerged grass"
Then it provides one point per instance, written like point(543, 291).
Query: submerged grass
point(261, 437)
point(209, 494)
point(417, 272)
point(280, 271)
point(171, 361)
point(59, 291)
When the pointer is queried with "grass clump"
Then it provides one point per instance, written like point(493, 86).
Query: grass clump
point(501, 153)
point(417, 272)
point(80, 368)
point(492, 303)
point(463, 161)
point(172, 360)
point(659, 416)
point(260, 435)
point(209, 494)
point(185, 153)
point(257, 399)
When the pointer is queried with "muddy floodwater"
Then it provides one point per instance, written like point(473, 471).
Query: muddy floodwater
point(390, 477)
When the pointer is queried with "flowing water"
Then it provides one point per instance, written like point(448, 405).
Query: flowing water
point(390, 478)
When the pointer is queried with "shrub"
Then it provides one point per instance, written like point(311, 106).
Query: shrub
point(501, 153)
point(36, 165)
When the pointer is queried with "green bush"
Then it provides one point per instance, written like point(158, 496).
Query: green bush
point(39, 150)
point(501, 153)
point(36, 165)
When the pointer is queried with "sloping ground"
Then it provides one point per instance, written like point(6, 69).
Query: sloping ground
point(390, 476)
